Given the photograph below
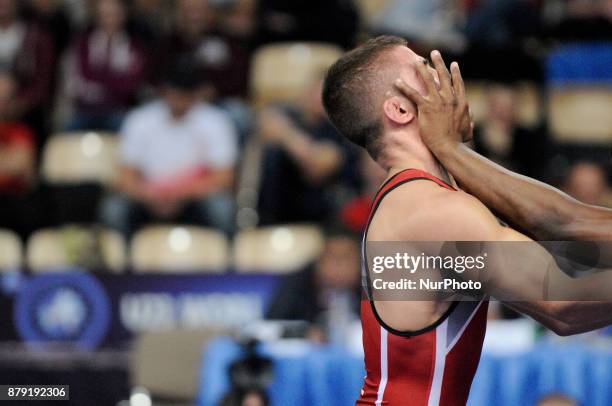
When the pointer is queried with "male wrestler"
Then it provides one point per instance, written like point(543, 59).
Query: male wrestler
point(425, 353)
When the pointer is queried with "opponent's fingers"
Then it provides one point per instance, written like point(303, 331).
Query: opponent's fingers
point(443, 73)
point(458, 85)
point(423, 71)
point(411, 93)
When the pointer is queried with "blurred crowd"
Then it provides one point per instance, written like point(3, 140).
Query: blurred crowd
point(171, 78)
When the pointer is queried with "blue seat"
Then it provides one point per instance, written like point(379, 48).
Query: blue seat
point(580, 63)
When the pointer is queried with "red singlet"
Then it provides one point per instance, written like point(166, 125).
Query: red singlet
point(432, 366)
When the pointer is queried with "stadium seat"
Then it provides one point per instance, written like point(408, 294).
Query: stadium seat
point(585, 63)
point(279, 249)
point(280, 72)
point(163, 248)
point(11, 251)
point(477, 99)
point(529, 102)
point(369, 9)
point(86, 157)
point(168, 363)
point(53, 249)
point(581, 115)
point(75, 169)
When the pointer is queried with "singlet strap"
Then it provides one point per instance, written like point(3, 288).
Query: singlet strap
point(404, 176)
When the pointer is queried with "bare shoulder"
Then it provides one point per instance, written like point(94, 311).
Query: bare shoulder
point(424, 211)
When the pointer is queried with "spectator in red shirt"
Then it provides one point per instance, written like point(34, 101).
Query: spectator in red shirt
point(17, 156)
point(106, 70)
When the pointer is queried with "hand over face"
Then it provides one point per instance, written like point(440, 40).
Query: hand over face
point(443, 113)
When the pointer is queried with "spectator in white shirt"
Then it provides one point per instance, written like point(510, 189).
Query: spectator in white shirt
point(177, 158)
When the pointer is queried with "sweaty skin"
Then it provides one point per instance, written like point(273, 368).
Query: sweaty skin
point(541, 210)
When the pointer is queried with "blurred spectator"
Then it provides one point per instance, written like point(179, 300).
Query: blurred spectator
point(431, 23)
point(586, 181)
point(556, 399)
point(502, 23)
point(177, 160)
point(500, 39)
point(27, 50)
point(236, 17)
point(502, 139)
point(106, 70)
point(17, 156)
point(79, 11)
point(221, 51)
point(149, 19)
point(355, 212)
point(53, 17)
point(320, 291)
point(334, 21)
point(305, 162)
point(580, 20)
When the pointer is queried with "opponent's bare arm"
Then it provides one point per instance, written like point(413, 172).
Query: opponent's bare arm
point(541, 210)
point(515, 272)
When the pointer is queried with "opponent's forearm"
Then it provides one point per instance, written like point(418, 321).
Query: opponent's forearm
point(581, 317)
point(538, 208)
point(583, 320)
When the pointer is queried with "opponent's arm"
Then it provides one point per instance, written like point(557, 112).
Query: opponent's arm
point(543, 211)
point(519, 271)
point(539, 209)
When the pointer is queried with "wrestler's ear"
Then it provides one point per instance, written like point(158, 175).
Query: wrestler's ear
point(398, 110)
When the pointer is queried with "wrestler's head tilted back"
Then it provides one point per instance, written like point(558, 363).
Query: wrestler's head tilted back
point(361, 101)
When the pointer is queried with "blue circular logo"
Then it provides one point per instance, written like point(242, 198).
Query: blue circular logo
point(67, 307)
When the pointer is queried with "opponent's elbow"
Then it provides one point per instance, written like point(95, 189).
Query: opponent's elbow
point(565, 318)
point(563, 329)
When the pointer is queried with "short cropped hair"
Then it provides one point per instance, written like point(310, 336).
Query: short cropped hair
point(348, 89)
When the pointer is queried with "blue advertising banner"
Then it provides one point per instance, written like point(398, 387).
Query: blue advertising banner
point(90, 310)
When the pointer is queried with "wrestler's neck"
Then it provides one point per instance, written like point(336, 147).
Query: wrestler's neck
point(403, 151)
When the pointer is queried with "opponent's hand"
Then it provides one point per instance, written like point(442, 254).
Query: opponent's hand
point(444, 115)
